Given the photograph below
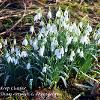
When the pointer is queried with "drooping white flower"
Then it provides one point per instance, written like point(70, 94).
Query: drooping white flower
point(80, 24)
point(66, 15)
point(25, 42)
point(9, 59)
point(18, 54)
point(81, 54)
point(85, 40)
point(5, 42)
point(16, 61)
point(32, 29)
point(78, 50)
point(24, 54)
point(38, 16)
point(44, 70)
point(69, 40)
point(40, 36)
point(42, 30)
point(12, 50)
point(58, 13)
point(28, 66)
point(7, 55)
point(89, 28)
point(0, 45)
point(71, 58)
point(49, 15)
point(54, 44)
point(14, 41)
point(59, 53)
point(41, 51)
point(42, 23)
point(98, 42)
point(35, 44)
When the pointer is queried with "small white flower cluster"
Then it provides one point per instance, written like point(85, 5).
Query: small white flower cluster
point(59, 37)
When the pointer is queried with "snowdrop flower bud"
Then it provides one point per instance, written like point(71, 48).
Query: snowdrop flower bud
point(14, 41)
point(0, 45)
point(49, 15)
point(12, 50)
point(32, 29)
point(5, 42)
point(58, 14)
point(54, 44)
point(35, 44)
point(25, 42)
point(28, 66)
point(41, 51)
point(44, 69)
point(24, 54)
point(78, 50)
point(81, 54)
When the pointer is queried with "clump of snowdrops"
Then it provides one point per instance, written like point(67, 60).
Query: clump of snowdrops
point(59, 46)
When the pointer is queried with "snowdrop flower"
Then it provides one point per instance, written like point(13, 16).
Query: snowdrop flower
point(42, 23)
point(66, 15)
point(37, 17)
point(40, 36)
point(16, 61)
point(75, 39)
point(32, 29)
point(42, 30)
point(85, 40)
point(72, 56)
point(58, 14)
point(5, 42)
point(24, 54)
point(12, 59)
point(35, 44)
point(31, 42)
point(98, 31)
point(49, 15)
point(17, 52)
point(78, 50)
point(98, 42)
point(54, 44)
point(59, 53)
point(41, 51)
point(81, 24)
point(69, 40)
point(25, 42)
point(44, 69)
point(81, 54)
point(28, 66)
point(0, 45)
point(30, 83)
point(7, 55)
point(9, 59)
point(14, 42)
point(89, 28)
point(12, 50)
point(66, 49)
